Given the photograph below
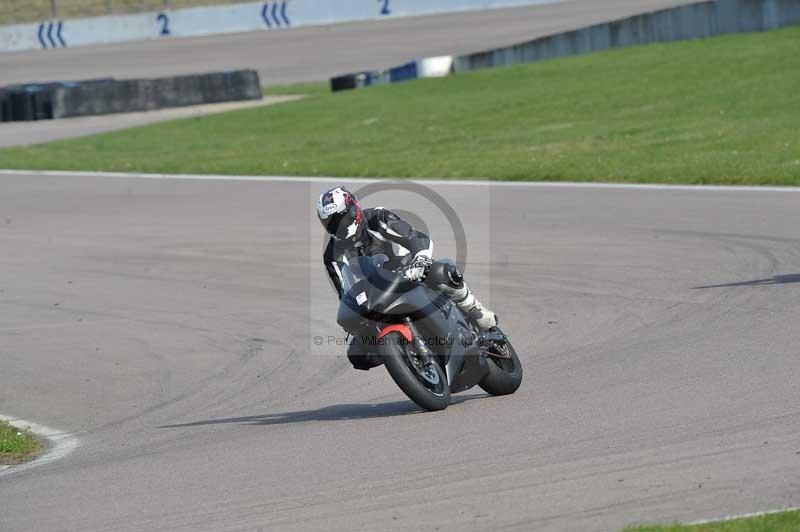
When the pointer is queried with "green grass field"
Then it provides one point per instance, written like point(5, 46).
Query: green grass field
point(779, 522)
point(722, 110)
point(15, 445)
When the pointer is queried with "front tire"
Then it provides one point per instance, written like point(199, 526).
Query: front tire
point(505, 374)
point(427, 386)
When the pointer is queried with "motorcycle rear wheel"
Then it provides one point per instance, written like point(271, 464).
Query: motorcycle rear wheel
point(505, 374)
point(425, 384)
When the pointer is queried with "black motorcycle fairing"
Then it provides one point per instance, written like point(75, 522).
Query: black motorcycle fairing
point(461, 360)
point(378, 294)
point(471, 370)
point(352, 316)
point(383, 278)
point(376, 297)
point(446, 334)
point(427, 309)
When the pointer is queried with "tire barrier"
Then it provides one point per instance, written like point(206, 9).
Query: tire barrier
point(5, 106)
point(430, 67)
point(44, 101)
point(358, 80)
point(25, 103)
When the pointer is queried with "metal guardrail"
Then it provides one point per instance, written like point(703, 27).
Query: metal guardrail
point(703, 19)
point(25, 11)
point(692, 21)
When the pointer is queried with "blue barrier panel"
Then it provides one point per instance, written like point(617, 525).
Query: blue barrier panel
point(403, 72)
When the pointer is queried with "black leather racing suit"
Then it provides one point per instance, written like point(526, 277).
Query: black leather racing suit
point(384, 233)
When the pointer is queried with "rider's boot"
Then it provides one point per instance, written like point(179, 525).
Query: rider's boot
point(450, 281)
point(467, 303)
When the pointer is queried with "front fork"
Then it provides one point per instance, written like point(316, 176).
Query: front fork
point(419, 345)
point(410, 332)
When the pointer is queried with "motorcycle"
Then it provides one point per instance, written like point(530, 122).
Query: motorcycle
point(430, 348)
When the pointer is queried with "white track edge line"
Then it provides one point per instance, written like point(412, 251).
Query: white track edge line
point(60, 444)
point(743, 516)
point(438, 182)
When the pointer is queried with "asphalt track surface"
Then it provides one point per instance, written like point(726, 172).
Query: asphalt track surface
point(168, 325)
point(317, 53)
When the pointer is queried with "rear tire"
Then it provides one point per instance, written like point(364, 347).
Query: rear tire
point(397, 354)
point(505, 374)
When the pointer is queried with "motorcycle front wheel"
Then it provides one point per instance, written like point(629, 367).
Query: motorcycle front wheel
point(424, 382)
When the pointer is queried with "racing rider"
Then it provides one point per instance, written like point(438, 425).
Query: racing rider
point(366, 232)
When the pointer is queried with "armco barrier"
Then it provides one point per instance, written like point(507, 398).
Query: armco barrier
point(271, 15)
point(105, 96)
point(430, 67)
point(693, 21)
point(684, 22)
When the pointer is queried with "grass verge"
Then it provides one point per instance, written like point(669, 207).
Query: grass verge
point(724, 110)
point(778, 522)
point(16, 446)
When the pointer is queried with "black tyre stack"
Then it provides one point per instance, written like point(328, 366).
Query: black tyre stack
point(46, 101)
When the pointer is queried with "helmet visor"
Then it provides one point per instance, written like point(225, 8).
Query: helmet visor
point(341, 226)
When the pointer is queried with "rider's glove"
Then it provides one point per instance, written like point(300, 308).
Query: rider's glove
point(416, 272)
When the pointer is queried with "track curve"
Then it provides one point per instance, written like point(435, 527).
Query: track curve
point(163, 321)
